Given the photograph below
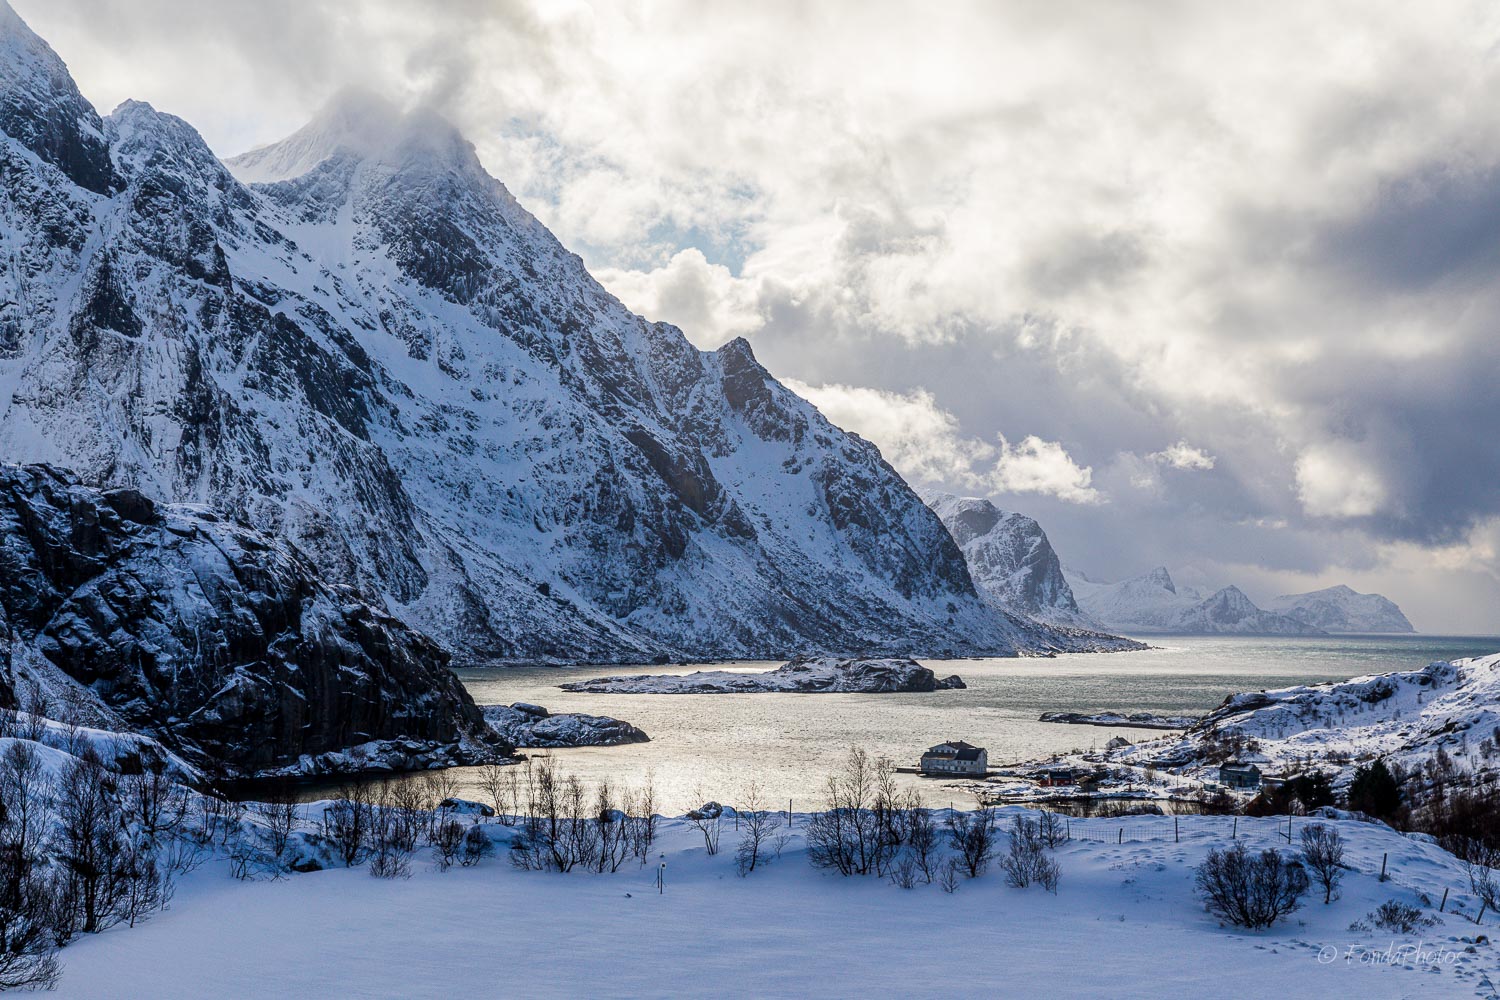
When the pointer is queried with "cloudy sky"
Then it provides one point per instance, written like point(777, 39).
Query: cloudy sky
point(1215, 286)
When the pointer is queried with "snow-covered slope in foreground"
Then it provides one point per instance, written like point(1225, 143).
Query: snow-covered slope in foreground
point(1405, 717)
point(1341, 609)
point(1152, 602)
point(374, 351)
point(1125, 924)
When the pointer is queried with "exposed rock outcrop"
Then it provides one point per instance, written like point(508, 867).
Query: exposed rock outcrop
point(222, 643)
point(531, 726)
point(824, 675)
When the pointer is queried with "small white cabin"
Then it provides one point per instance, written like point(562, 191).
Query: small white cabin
point(956, 758)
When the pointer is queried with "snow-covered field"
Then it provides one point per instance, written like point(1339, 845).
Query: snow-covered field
point(1125, 923)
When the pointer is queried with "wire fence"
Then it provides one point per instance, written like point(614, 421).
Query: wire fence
point(1265, 831)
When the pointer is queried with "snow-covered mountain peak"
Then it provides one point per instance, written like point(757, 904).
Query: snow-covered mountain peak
point(1342, 609)
point(361, 125)
point(1011, 560)
point(1159, 577)
point(41, 108)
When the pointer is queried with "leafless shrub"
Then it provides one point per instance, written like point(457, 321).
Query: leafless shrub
point(277, 813)
point(476, 846)
point(447, 842)
point(1399, 918)
point(1251, 890)
point(758, 823)
point(972, 835)
point(1026, 861)
point(1323, 854)
point(708, 820)
point(349, 822)
point(950, 873)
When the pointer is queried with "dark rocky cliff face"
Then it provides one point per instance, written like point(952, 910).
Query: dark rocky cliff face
point(215, 639)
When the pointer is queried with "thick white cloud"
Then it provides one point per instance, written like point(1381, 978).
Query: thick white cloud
point(1335, 480)
point(925, 443)
point(709, 303)
point(1183, 456)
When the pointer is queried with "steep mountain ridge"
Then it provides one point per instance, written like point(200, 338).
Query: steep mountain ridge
point(375, 352)
point(1010, 558)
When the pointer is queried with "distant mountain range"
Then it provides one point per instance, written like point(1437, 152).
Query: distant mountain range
point(1015, 567)
point(1152, 602)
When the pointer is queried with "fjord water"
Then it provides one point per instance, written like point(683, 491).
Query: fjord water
point(709, 746)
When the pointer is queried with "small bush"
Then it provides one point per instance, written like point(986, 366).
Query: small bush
point(1396, 916)
point(1251, 890)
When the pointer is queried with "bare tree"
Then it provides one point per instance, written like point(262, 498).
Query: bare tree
point(447, 842)
point(349, 822)
point(155, 803)
point(1482, 865)
point(142, 882)
point(26, 798)
point(922, 841)
point(708, 820)
point(28, 947)
point(498, 782)
point(1323, 854)
point(278, 816)
point(850, 835)
point(972, 835)
point(88, 842)
point(950, 874)
point(1026, 861)
point(757, 824)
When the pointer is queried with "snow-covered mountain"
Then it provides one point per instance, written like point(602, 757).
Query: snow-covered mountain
point(1153, 603)
point(1341, 609)
point(213, 638)
point(1010, 559)
point(358, 340)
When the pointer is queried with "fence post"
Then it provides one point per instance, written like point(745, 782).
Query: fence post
point(1444, 904)
point(1235, 833)
point(1122, 835)
point(1176, 832)
point(1069, 821)
point(1383, 859)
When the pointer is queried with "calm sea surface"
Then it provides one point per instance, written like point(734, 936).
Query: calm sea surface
point(708, 746)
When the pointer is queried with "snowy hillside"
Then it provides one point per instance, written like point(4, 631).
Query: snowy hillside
point(357, 339)
point(1010, 559)
point(1341, 609)
point(1153, 603)
point(1405, 717)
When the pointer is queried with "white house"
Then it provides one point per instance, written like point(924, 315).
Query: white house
point(956, 757)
